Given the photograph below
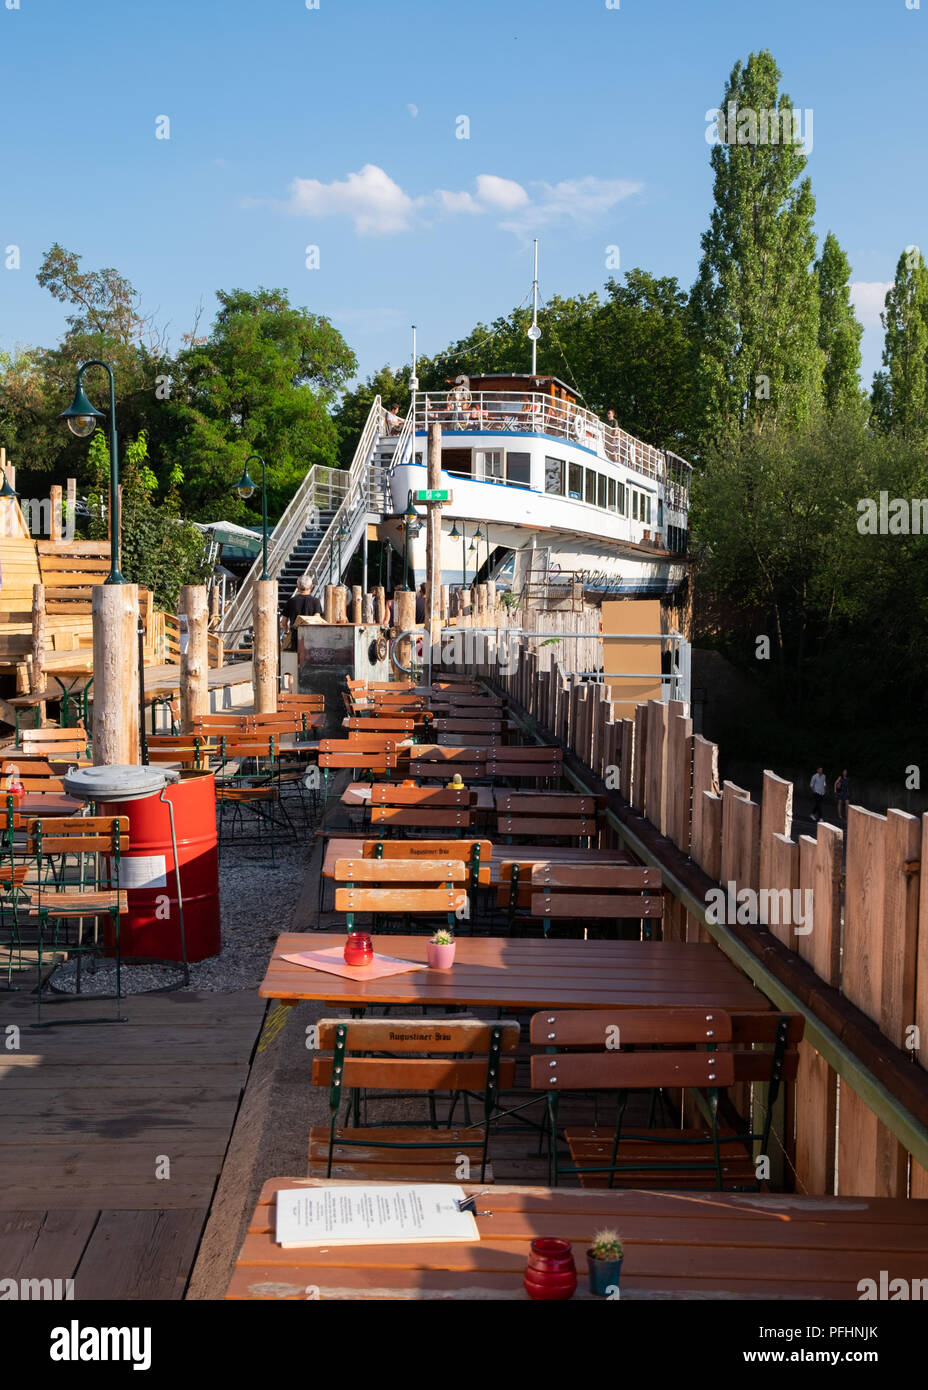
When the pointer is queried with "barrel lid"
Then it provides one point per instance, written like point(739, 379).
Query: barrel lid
point(117, 782)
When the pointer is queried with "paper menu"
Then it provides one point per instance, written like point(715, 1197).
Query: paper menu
point(373, 1214)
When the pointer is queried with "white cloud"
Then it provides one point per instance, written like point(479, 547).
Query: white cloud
point(370, 197)
point(379, 206)
point(505, 194)
point(869, 298)
point(412, 108)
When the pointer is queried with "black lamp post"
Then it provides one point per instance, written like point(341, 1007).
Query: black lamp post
point(82, 419)
point(245, 488)
point(341, 533)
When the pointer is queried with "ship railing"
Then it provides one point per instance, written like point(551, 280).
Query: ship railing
point(530, 412)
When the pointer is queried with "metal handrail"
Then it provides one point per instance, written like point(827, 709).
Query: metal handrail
point(531, 412)
point(338, 483)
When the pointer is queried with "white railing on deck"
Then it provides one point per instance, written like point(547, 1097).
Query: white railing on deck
point(321, 489)
point(527, 412)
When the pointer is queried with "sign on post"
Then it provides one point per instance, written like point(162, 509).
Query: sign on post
point(434, 494)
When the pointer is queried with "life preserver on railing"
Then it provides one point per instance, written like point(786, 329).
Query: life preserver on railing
point(578, 427)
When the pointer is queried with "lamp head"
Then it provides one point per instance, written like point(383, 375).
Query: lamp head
point(455, 533)
point(245, 486)
point(6, 490)
point(81, 417)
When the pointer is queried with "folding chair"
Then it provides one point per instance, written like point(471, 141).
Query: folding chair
point(461, 1055)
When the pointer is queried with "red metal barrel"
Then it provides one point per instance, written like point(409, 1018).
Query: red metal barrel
point(146, 870)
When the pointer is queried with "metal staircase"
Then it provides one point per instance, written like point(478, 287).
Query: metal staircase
point(325, 520)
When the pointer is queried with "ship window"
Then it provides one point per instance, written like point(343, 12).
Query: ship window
point(575, 481)
point(490, 464)
point(660, 513)
point(590, 493)
point(648, 501)
point(612, 491)
point(459, 461)
point(634, 505)
point(623, 502)
point(519, 468)
point(554, 476)
point(601, 486)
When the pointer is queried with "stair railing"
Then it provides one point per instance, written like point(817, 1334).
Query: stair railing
point(335, 485)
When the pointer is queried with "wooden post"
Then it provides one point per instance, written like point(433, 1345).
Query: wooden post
point(115, 609)
point(380, 604)
point(341, 603)
point(433, 540)
point(194, 662)
point(214, 606)
point(266, 646)
point(37, 668)
point(367, 608)
point(443, 607)
point(71, 498)
point(356, 594)
point(404, 619)
point(54, 521)
point(330, 603)
point(491, 601)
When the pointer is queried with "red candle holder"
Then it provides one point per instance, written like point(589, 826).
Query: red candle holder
point(359, 949)
point(550, 1272)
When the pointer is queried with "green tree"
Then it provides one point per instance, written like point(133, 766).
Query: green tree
point(262, 383)
point(755, 301)
point(159, 550)
point(838, 330)
point(900, 395)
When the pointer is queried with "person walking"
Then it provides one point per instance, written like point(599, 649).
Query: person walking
point(842, 794)
point(817, 785)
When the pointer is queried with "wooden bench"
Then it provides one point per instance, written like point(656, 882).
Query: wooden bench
point(460, 1055)
point(706, 1049)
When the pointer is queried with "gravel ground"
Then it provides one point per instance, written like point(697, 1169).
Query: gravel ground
point(257, 903)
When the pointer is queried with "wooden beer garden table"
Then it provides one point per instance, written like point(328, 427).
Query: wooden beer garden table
point(516, 973)
point(701, 1245)
point(359, 794)
point(341, 846)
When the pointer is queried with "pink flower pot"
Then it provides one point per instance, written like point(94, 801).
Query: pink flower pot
point(440, 957)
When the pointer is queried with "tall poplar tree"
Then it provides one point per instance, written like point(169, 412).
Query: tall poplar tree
point(755, 301)
point(838, 330)
point(901, 392)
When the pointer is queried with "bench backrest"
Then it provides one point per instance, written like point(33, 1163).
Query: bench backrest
point(466, 1048)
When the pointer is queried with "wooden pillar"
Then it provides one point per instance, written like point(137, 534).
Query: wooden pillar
point(380, 604)
point(194, 662)
point(356, 593)
point(54, 521)
point(491, 601)
point(404, 619)
point(330, 603)
point(433, 539)
point(444, 607)
point(341, 603)
point(367, 608)
point(214, 606)
point(71, 498)
point(37, 668)
point(266, 646)
point(115, 610)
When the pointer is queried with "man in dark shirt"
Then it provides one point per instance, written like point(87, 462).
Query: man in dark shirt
point(420, 604)
point(303, 602)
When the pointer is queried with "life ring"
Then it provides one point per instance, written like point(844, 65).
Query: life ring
point(578, 427)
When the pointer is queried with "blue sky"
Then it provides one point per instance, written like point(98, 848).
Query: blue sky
point(336, 127)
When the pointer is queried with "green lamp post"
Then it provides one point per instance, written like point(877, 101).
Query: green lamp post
point(341, 533)
point(245, 488)
point(411, 521)
point(462, 536)
point(82, 419)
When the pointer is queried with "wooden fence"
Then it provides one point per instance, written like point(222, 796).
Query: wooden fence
point(870, 942)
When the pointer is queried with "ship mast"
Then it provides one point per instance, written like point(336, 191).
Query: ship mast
point(534, 333)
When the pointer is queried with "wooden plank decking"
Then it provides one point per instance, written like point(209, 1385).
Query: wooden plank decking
point(112, 1137)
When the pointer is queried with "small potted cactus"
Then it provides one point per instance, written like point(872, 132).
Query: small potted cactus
point(604, 1258)
point(441, 951)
